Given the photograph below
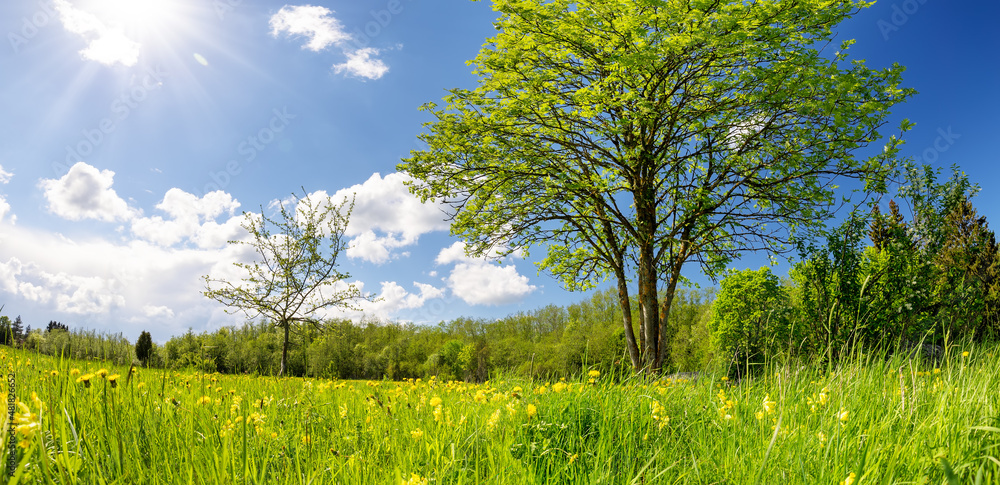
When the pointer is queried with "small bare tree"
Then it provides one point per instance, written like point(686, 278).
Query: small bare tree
point(295, 275)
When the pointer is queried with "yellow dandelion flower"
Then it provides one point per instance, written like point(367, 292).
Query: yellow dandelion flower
point(850, 479)
point(113, 379)
point(102, 373)
point(965, 354)
point(85, 379)
point(204, 400)
point(531, 410)
point(559, 387)
point(74, 372)
point(435, 401)
point(594, 374)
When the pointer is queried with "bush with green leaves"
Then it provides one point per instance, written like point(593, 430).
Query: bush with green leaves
point(748, 314)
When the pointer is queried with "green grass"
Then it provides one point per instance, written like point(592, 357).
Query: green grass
point(885, 420)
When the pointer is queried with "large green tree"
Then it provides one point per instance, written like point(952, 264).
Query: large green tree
point(630, 137)
point(295, 275)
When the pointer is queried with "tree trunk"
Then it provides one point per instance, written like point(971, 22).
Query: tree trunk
point(648, 307)
point(284, 350)
point(626, 305)
point(668, 301)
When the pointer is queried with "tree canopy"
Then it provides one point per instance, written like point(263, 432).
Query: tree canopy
point(630, 137)
point(295, 275)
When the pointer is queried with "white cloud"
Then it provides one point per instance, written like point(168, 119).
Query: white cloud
point(385, 206)
point(151, 311)
point(104, 44)
point(85, 193)
point(4, 206)
point(391, 299)
point(5, 209)
point(360, 63)
point(322, 29)
point(479, 282)
point(313, 22)
point(68, 293)
point(191, 218)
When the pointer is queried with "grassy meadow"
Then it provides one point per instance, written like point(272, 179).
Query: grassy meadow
point(871, 420)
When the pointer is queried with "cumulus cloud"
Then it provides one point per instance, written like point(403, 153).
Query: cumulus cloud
point(4, 206)
point(74, 294)
point(191, 218)
point(104, 44)
point(479, 282)
point(151, 311)
point(5, 210)
point(387, 216)
point(315, 23)
point(361, 63)
point(85, 193)
point(322, 30)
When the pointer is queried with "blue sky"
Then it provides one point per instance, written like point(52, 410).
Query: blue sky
point(134, 132)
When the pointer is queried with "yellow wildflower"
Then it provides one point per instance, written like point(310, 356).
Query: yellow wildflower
point(850, 479)
point(842, 415)
point(491, 423)
point(769, 405)
point(531, 410)
point(594, 374)
point(204, 400)
point(85, 379)
point(414, 480)
point(435, 401)
point(417, 434)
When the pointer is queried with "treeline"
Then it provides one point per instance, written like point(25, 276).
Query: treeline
point(550, 341)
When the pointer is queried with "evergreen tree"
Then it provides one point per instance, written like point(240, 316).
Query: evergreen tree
point(144, 347)
point(17, 330)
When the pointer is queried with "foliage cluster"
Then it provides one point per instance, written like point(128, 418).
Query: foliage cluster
point(879, 281)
